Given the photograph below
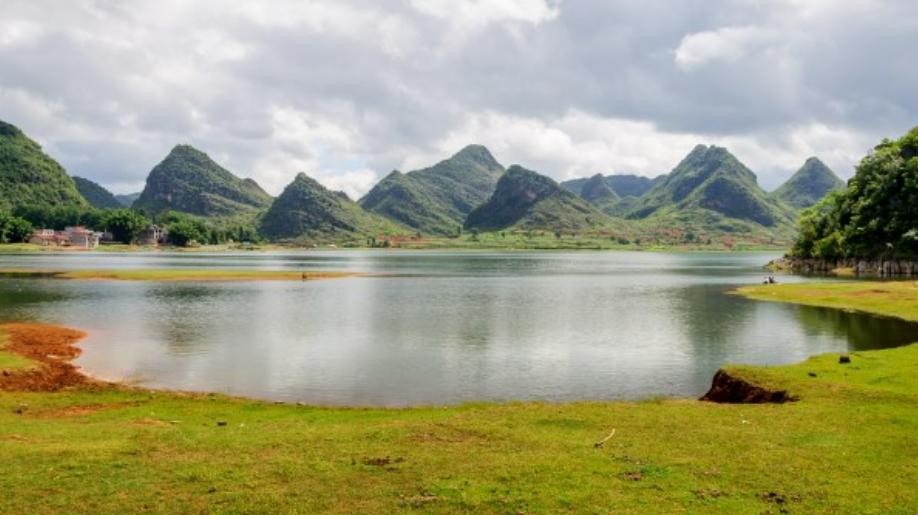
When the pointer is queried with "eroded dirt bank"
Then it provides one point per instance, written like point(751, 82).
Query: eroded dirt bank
point(52, 348)
point(726, 388)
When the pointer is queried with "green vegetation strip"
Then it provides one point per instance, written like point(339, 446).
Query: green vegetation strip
point(177, 275)
point(898, 299)
point(848, 446)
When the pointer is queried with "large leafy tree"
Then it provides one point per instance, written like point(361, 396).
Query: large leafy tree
point(125, 224)
point(14, 229)
point(875, 216)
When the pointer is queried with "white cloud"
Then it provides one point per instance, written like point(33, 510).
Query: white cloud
point(578, 144)
point(19, 32)
point(726, 44)
point(483, 12)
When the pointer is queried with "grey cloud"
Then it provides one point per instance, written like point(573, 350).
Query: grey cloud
point(125, 82)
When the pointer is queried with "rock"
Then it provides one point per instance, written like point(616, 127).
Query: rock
point(728, 389)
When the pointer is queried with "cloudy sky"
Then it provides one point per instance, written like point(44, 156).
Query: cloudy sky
point(348, 90)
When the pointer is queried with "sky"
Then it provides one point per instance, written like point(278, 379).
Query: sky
point(348, 90)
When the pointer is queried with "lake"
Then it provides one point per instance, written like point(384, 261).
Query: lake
point(435, 327)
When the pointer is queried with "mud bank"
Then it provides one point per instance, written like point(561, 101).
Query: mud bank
point(52, 348)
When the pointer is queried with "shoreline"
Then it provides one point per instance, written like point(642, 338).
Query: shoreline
point(843, 444)
point(13, 249)
point(895, 299)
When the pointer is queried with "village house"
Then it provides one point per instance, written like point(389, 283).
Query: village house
point(46, 237)
point(69, 237)
point(152, 235)
point(83, 237)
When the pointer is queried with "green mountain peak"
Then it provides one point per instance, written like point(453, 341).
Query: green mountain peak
point(29, 177)
point(813, 181)
point(714, 185)
point(306, 210)
point(597, 190)
point(524, 199)
point(188, 180)
point(437, 199)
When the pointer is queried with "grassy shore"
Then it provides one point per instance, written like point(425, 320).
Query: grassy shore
point(177, 274)
point(898, 298)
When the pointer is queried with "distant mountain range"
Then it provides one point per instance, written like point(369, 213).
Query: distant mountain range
point(127, 199)
point(96, 195)
point(709, 191)
point(624, 185)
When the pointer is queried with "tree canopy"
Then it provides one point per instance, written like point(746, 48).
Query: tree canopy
point(876, 216)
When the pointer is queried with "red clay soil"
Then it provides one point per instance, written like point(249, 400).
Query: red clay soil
point(52, 347)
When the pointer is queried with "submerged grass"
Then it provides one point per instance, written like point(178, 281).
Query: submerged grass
point(177, 274)
point(898, 298)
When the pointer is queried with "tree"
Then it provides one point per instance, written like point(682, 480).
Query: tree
point(14, 229)
point(185, 233)
point(125, 224)
point(875, 216)
point(61, 217)
point(18, 230)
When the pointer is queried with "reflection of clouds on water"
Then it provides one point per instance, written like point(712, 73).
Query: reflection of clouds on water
point(442, 326)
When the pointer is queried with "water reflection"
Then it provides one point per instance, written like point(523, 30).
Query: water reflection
point(440, 327)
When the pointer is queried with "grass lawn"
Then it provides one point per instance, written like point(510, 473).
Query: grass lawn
point(899, 298)
point(152, 274)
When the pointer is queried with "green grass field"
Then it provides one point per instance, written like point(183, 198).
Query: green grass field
point(848, 445)
point(896, 298)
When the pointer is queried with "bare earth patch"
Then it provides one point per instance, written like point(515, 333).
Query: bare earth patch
point(52, 347)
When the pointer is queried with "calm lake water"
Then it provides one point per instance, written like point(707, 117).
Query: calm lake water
point(441, 327)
